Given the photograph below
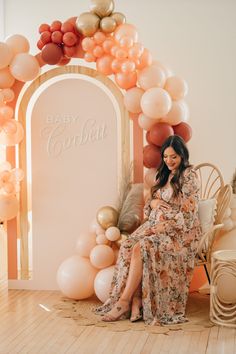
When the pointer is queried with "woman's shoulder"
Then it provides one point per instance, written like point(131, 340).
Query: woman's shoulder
point(190, 173)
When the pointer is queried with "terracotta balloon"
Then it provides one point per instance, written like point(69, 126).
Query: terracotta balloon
point(102, 283)
point(24, 67)
point(112, 233)
point(101, 8)
point(18, 43)
point(132, 99)
point(119, 18)
point(6, 78)
point(184, 130)
point(159, 132)
point(102, 256)
point(107, 216)
point(156, 102)
point(75, 277)
point(145, 122)
point(103, 64)
point(87, 24)
point(176, 87)
point(85, 243)
point(126, 81)
point(9, 207)
point(177, 114)
point(6, 55)
point(52, 53)
point(151, 156)
point(13, 139)
point(151, 76)
point(108, 24)
point(148, 137)
point(126, 30)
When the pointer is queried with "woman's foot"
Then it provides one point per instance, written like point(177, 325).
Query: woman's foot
point(136, 309)
point(121, 308)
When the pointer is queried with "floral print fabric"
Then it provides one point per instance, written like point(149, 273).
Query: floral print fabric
point(168, 256)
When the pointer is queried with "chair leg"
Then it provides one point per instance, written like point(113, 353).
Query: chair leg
point(207, 274)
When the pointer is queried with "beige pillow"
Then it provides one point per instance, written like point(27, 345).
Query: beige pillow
point(207, 211)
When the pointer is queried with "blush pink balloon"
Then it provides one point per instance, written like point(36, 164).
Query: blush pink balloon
point(8, 94)
point(75, 277)
point(101, 239)
point(12, 139)
point(6, 112)
point(102, 256)
point(107, 45)
point(178, 113)
point(176, 87)
point(6, 78)
point(6, 55)
point(151, 76)
point(127, 66)
point(126, 81)
point(10, 126)
point(9, 207)
point(146, 122)
point(164, 68)
point(126, 42)
point(156, 102)
point(102, 283)
point(85, 243)
point(103, 64)
point(18, 44)
point(120, 54)
point(24, 67)
point(136, 51)
point(126, 30)
point(132, 99)
point(144, 60)
point(112, 233)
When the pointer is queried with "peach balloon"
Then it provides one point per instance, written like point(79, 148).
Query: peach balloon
point(85, 243)
point(127, 66)
point(93, 226)
point(98, 51)
point(18, 44)
point(126, 30)
point(132, 99)
point(116, 65)
point(6, 78)
point(176, 87)
point(101, 239)
point(136, 51)
point(8, 94)
point(126, 42)
point(144, 60)
point(75, 277)
point(6, 55)
point(178, 113)
point(150, 177)
point(99, 37)
point(156, 102)
point(126, 81)
point(103, 64)
point(89, 57)
point(102, 256)
point(151, 76)
point(102, 283)
point(10, 126)
point(146, 122)
point(107, 45)
point(6, 112)
point(112, 233)
point(13, 139)
point(88, 44)
point(9, 207)
point(24, 67)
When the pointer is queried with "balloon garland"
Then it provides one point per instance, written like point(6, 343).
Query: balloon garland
point(152, 95)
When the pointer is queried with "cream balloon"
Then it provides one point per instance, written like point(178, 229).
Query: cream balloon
point(101, 239)
point(102, 283)
point(178, 113)
point(85, 243)
point(126, 30)
point(18, 44)
point(24, 67)
point(9, 207)
point(6, 78)
point(156, 102)
point(118, 17)
point(166, 70)
point(132, 99)
point(6, 55)
point(151, 76)
point(75, 277)
point(112, 233)
point(108, 24)
point(146, 122)
point(13, 139)
point(102, 256)
point(87, 24)
point(176, 87)
point(101, 8)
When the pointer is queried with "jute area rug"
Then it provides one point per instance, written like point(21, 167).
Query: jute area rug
point(82, 313)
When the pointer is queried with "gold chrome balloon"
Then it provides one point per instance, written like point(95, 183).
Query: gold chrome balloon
point(107, 216)
point(87, 23)
point(118, 17)
point(108, 24)
point(102, 8)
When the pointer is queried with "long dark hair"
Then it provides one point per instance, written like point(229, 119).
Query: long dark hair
point(179, 146)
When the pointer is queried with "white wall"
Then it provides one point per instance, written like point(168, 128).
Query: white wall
point(196, 39)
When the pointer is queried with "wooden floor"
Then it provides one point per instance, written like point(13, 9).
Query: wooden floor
point(29, 324)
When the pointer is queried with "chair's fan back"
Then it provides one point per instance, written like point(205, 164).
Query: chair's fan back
point(211, 180)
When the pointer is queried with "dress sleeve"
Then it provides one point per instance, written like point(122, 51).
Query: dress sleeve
point(147, 208)
point(185, 215)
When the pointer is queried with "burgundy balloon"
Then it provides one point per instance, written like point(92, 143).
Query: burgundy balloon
point(184, 130)
point(151, 156)
point(159, 132)
point(51, 53)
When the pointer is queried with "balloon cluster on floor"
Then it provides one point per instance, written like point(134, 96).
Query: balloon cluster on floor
point(91, 269)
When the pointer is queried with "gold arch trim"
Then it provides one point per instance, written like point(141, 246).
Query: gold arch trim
point(34, 86)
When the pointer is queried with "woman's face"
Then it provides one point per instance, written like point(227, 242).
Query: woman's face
point(171, 159)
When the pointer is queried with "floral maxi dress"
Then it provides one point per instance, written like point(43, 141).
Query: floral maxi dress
point(168, 256)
